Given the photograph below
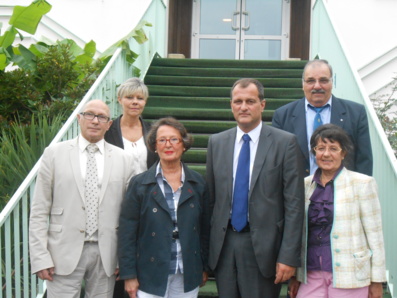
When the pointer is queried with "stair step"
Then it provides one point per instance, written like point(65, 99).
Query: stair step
point(218, 82)
point(203, 113)
point(213, 102)
point(167, 90)
point(226, 72)
point(215, 63)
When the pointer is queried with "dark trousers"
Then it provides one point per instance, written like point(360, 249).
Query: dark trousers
point(237, 273)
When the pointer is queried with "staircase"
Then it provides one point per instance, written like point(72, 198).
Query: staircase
point(197, 92)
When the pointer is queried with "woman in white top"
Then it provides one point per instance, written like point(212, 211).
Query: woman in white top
point(128, 132)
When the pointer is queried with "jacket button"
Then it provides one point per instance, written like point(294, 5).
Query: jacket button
point(194, 228)
point(192, 205)
point(336, 236)
point(337, 264)
point(153, 234)
point(154, 210)
point(151, 259)
point(337, 250)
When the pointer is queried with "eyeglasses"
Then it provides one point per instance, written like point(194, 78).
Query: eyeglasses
point(322, 81)
point(331, 149)
point(91, 116)
point(173, 141)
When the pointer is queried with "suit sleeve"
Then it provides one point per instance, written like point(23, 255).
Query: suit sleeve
point(294, 204)
point(370, 214)
point(40, 256)
point(276, 121)
point(363, 156)
point(128, 231)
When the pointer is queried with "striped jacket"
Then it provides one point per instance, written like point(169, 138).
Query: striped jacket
point(358, 256)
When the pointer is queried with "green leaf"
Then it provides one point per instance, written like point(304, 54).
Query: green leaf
point(74, 49)
point(38, 50)
point(8, 38)
point(3, 61)
point(137, 33)
point(27, 18)
point(24, 58)
point(90, 49)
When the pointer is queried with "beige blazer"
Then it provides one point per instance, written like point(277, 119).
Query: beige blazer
point(358, 256)
point(57, 218)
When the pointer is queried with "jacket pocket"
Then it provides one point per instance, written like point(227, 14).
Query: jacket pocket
point(56, 211)
point(362, 264)
point(55, 228)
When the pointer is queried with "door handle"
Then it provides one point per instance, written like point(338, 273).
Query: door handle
point(247, 21)
point(234, 23)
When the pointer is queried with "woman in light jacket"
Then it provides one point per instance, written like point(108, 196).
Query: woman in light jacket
point(342, 251)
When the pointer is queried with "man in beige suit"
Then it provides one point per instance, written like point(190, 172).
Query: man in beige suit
point(73, 225)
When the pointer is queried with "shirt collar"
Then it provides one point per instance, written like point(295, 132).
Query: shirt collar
point(83, 143)
point(317, 175)
point(328, 102)
point(159, 172)
point(254, 134)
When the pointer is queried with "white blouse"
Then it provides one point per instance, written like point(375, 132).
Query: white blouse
point(138, 152)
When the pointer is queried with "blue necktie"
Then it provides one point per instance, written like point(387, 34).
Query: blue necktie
point(317, 119)
point(241, 187)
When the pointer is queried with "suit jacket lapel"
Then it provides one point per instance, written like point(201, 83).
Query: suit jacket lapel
point(264, 144)
point(73, 156)
point(227, 156)
point(299, 120)
point(338, 112)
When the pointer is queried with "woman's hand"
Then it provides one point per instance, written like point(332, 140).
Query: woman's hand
point(375, 290)
point(293, 287)
point(205, 278)
point(131, 287)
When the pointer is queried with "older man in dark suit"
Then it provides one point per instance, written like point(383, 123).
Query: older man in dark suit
point(319, 106)
point(255, 178)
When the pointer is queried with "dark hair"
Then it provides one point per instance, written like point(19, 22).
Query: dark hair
point(187, 139)
point(245, 82)
point(333, 133)
point(317, 61)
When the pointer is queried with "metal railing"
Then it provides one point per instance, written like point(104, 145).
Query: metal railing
point(326, 43)
point(16, 278)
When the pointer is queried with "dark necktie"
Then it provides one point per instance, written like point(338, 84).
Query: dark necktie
point(317, 119)
point(241, 187)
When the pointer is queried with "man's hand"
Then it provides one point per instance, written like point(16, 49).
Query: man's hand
point(131, 287)
point(46, 274)
point(116, 273)
point(205, 278)
point(283, 273)
point(375, 290)
point(293, 287)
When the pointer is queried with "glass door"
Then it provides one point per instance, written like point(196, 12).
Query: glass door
point(240, 29)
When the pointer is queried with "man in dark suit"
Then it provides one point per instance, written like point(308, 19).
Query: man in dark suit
point(256, 225)
point(297, 117)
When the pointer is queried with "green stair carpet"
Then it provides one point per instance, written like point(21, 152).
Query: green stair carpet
point(197, 92)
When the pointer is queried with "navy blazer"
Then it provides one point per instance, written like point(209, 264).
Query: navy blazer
point(347, 114)
point(145, 232)
point(114, 137)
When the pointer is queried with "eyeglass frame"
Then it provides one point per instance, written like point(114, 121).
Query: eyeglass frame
point(99, 117)
point(329, 149)
point(168, 140)
point(321, 81)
